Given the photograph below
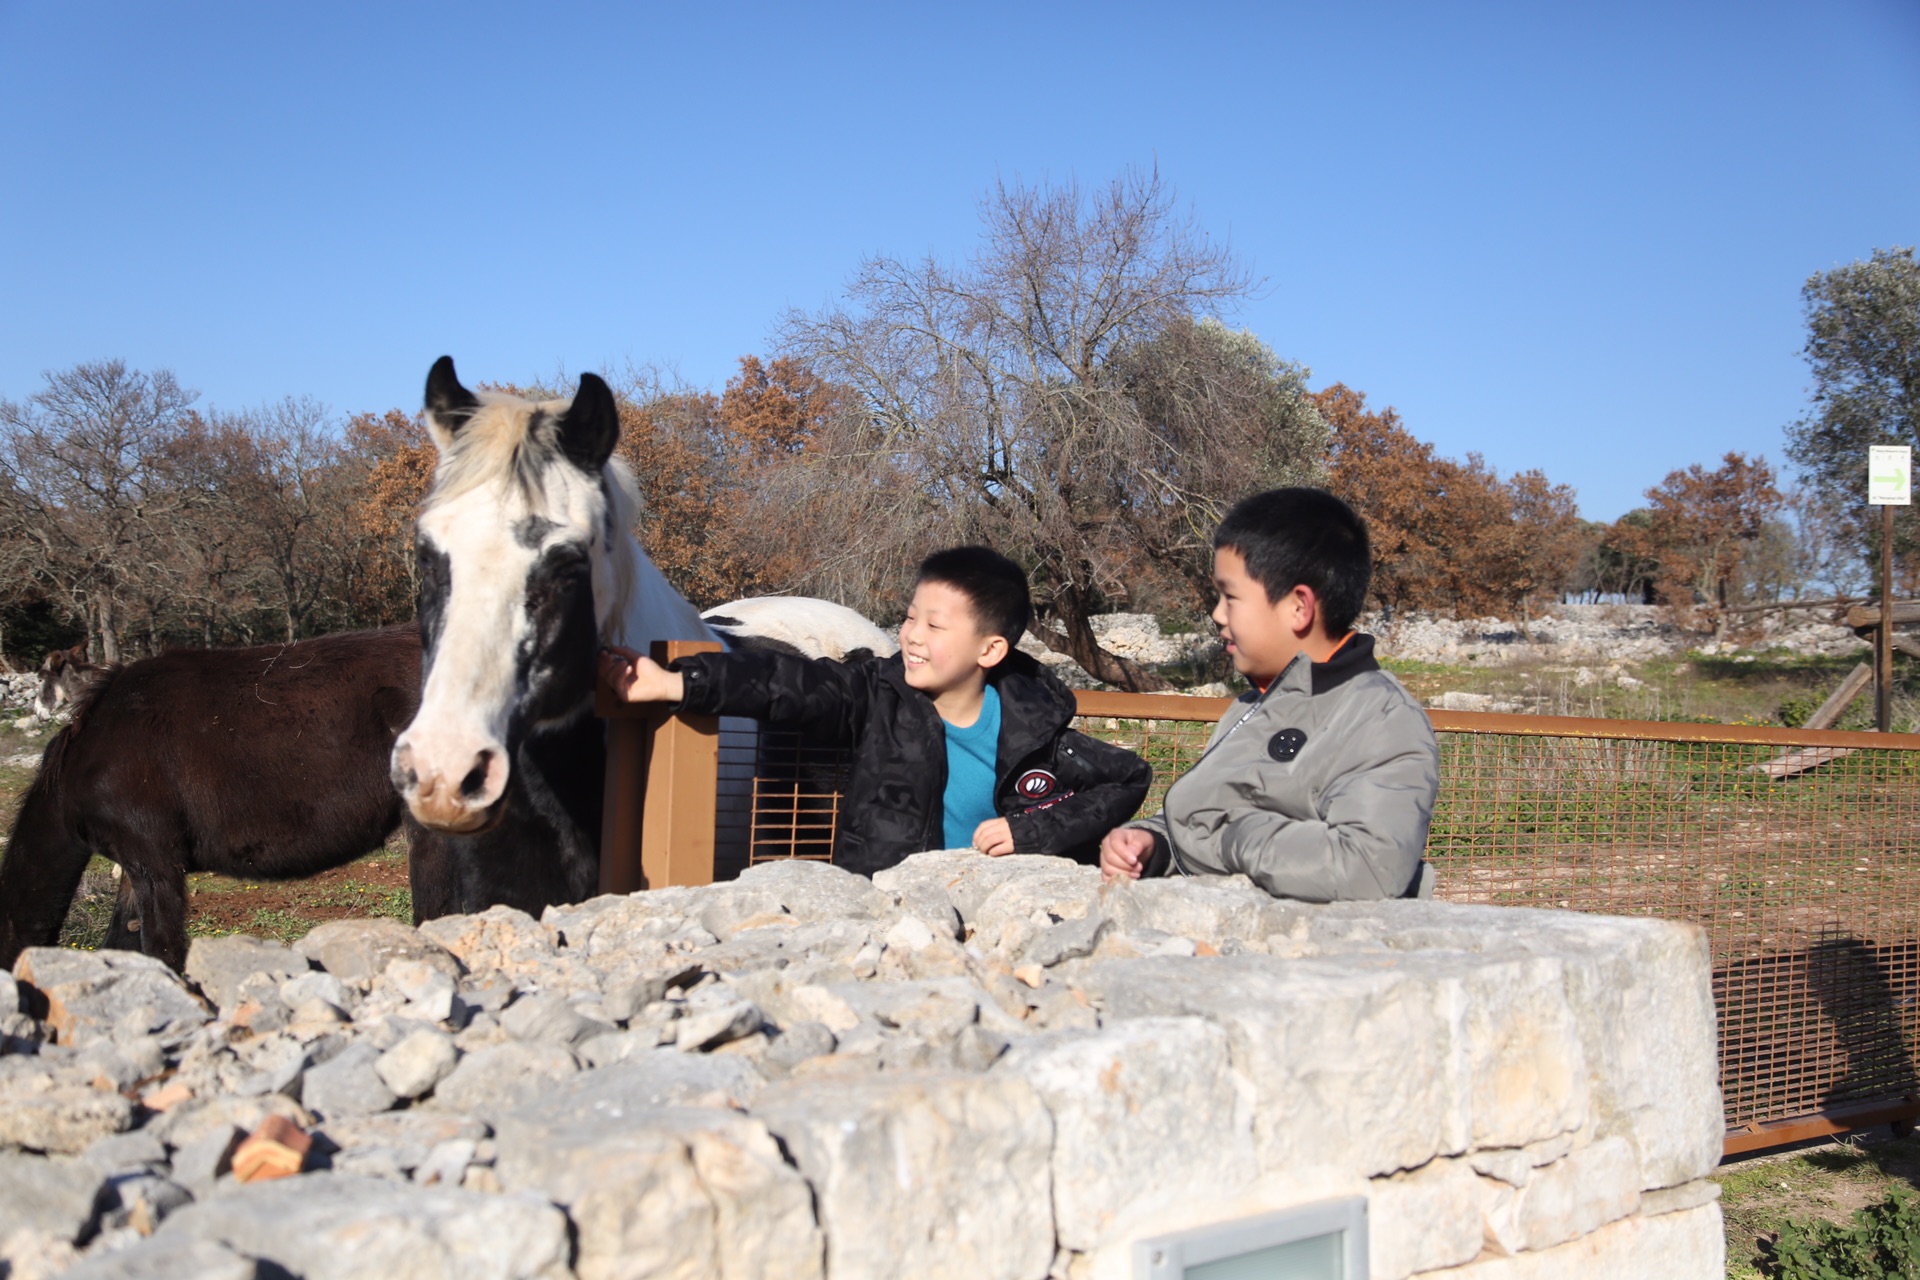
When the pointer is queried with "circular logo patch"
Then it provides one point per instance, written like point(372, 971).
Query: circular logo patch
point(1285, 745)
point(1035, 784)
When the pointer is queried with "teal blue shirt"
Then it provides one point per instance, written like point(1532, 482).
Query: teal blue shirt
point(968, 800)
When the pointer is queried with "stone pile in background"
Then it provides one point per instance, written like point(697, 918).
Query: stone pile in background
point(968, 1067)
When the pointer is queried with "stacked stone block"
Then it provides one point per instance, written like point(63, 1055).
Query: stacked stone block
point(967, 1067)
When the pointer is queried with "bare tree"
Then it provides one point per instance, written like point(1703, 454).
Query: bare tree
point(1057, 397)
point(80, 462)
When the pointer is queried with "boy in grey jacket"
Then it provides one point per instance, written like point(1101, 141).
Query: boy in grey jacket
point(1320, 783)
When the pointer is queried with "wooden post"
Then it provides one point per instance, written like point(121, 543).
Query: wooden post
point(662, 773)
point(1883, 637)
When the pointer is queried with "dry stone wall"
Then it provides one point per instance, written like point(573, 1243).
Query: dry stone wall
point(966, 1067)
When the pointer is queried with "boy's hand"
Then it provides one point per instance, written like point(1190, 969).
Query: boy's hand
point(994, 837)
point(1124, 853)
point(638, 678)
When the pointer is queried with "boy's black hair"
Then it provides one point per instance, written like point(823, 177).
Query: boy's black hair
point(1303, 537)
point(994, 585)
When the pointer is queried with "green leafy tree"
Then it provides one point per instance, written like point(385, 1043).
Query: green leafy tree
point(1863, 347)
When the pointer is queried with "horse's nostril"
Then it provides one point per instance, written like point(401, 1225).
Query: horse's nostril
point(476, 780)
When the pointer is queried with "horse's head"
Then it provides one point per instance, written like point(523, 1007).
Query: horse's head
point(519, 530)
point(62, 676)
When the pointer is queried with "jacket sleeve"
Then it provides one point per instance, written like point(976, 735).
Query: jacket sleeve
point(1369, 843)
point(1110, 785)
point(819, 696)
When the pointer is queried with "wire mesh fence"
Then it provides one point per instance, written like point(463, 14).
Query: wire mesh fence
point(1799, 852)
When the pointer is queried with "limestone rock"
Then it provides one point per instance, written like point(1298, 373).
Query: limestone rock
point(167, 1259)
point(220, 965)
point(550, 1020)
point(1145, 1113)
point(524, 951)
point(64, 1120)
point(136, 1152)
point(360, 950)
point(55, 1196)
point(417, 1063)
point(1423, 1220)
point(347, 1084)
point(655, 1189)
point(923, 1175)
point(97, 995)
point(1690, 1243)
point(1209, 909)
point(397, 1141)
point(1352, 1055)
point(499, 1078)
point(1567, 1199)
point(812, 892)
point(323, 1226)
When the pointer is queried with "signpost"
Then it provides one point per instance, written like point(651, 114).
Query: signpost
point(1889, 485)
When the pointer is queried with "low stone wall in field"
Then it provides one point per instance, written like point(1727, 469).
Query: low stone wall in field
point(968, 1067)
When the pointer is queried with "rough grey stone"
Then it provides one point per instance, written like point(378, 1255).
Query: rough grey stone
point(1209, 909)
point(347, 1084)
point(56, 1196)
point(1570, 1198)
point(314, 985)
point(714, 1020)
point(500, 1077)
point(357, 950)
point(141, 1201)
point(167, 1259)
point(924, 1175)
point(417, 1063)
point(666, 1192)
point(524, 951)
point(401, 1141)
point(1323, 1043)
point(138, 1151)
point(1145, 1113)
point(659, 1078)
point(816, 891)
point(797, 1043)
point(64, 1119)
point(220, 965)
point(551, 1020)
point(329, 1226)
point(1423, 1220)
point(9, 995)
point(98, 995)
point(199, 1163)
point(1069, 940)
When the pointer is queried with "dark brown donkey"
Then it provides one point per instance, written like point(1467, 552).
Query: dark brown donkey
point(267, 763)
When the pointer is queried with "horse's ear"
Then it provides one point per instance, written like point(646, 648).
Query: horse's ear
point(449, 404)
point(591, 426)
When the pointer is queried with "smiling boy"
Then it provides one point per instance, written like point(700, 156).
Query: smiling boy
point(959, 740)
point(1319, 784)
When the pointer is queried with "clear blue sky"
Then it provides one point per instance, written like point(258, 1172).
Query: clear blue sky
point(1567, 237)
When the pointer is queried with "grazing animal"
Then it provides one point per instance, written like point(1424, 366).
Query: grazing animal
point(527, 565)
point(63, 675)
point(267, 763)
point(802, 625)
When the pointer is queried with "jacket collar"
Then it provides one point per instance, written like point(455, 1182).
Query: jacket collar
point(1303, 675)
point(1034, 706)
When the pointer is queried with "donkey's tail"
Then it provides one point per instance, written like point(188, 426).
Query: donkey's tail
point(44, 859)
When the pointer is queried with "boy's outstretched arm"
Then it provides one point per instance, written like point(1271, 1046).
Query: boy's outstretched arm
point(638, 678)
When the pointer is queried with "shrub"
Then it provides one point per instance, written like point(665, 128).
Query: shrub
point(1883, 1243)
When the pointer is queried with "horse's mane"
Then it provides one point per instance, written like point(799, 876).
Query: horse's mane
point(622, 493)
point(497, 445)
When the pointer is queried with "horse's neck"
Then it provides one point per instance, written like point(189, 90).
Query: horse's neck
point(654, 610)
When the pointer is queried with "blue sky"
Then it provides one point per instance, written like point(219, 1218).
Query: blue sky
point(1566, 237)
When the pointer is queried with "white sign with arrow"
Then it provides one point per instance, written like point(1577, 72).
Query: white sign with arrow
point(1889, 475)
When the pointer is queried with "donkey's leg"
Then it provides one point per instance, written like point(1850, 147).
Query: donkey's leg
point(160, 897)
point(123, 934)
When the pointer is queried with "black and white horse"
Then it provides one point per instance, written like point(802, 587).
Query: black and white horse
point(527, 565)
